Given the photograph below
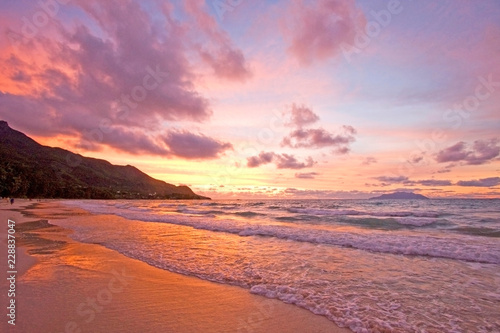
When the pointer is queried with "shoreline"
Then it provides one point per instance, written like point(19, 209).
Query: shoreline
point(68, 286)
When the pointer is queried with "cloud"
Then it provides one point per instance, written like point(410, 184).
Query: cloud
point(132, 141)
point(392, 179)
point(482, 151)
point(217, 51)
point(484, 182)
point(330, 194)
point(282, 161)
point(227, 63)
point(194, 146)
point(434, 182)
point(301, 115)
point(262, 158)
point(369, 160)
point(315, 30)
point(286, 161)
point(130, 68)
point(306, 175)
point(315, 138)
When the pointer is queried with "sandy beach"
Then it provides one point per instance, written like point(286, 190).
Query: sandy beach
point(66, 286)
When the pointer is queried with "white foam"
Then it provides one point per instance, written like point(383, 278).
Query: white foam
point(465, 248)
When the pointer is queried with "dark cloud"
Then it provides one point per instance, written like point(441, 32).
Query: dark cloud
point(194, 146)
point(282, 161)
point(484, 182)
point(306, 175)
point(482, 151)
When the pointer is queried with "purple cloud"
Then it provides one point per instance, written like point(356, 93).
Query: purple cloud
point(262, 158)
point(282, 161)
point(227, 63)
point(132, 141)
point(484, 182)
point(301, 116)
point(369, 160)
point(482, 151)
point(434, 182)
point(194, 146)
point(315, 30)
point(392, 179)
point(306, 175)
point(131, 70)
point(217, 51)
point(285, 161)
point(315, 138)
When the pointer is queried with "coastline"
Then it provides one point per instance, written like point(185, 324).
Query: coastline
point(67, 286)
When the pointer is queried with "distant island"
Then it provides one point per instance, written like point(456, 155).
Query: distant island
point(30, 170)
point(400, 195)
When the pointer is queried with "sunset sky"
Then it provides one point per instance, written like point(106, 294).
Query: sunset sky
point(279, 98)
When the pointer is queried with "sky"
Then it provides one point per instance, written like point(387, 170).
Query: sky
point(264, 98)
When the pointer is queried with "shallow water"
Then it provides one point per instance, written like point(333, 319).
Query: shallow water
point(370, 265)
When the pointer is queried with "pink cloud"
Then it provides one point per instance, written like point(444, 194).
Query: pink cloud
point(481, 152)
point(282, 161)
point(130, 71)
point(434, 182)
point(484, 182)
point(301, 115)
point(306, 175)
point(315, 138)
point(393, 179)
point(217, 51)
point(315, 30)
point(369, 160)
point(194, 146)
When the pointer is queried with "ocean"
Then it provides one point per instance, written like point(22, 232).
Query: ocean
point(369, 265)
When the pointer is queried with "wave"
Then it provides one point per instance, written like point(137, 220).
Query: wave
point(249, 214)
point(450, 247)
point(335, 212)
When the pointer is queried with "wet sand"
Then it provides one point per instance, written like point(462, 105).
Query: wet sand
point(66, 286)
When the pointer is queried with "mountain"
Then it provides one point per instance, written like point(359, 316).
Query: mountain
point(28, 169)
point(400, 195)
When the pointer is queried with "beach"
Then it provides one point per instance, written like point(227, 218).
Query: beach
point(63, 285)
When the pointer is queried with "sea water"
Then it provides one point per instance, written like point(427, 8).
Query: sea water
point(369, 265)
